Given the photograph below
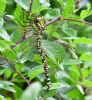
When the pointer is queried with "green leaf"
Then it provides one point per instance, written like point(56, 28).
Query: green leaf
point(53, 89)
point(57, 85)
point(86, 83)
point(31, 92)
point(9, 54)
point(75, 93)
point(85, 73)
point(88, 6)
point(18, 90)
point(68, 30)
point(82, 40)
point(1, 24)
point(18, 14)
point(80, 88)
point(37, 7)
point(90, 13)
point(53, 50)
point(45, 3)
point(2, 97)
point(2, 71)
point(16, 35)
point(6, 85)
point(54, 3)
point(4, 45)
point(51, 98)
point(23, 3)
point(2, 7)
point(71, 62)
point(35, 72)
point(26, 55)
point(60, 2)
point(74, 74)
point(48, 94)
point(86, 56)
point(4, 35)
point(87, 12)
point(68, 8)
point(83, 14)
point(71, 2)
point(52, 13)
point(7, 73)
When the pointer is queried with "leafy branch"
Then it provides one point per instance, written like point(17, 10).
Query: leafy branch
point(50, 22)
point(62, 19)
point(19, 73)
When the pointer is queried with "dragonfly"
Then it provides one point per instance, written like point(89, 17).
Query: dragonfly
point(31, 25)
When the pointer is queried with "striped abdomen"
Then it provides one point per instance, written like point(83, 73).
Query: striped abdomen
point(42, 53)
point(45, 67)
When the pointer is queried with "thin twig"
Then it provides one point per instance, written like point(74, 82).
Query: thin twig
point(52, 21)
point(69, 19)
point(30, 8)
point(18, 72)
point(81, 21)
point(16, 69)
point(24, 39)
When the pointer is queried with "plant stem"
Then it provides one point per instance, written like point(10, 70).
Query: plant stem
point(52, 21)
point(61, 18)
point(19, 72)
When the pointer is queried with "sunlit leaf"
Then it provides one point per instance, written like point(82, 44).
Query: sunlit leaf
point(83, 40)
point(57, 85)
point(71, 62)
point(5, 44)
point(68, 30)
point(31, 92)
point(53, 50)
point(69, 8)
point(86, 57)
point(23, 3)
point(87, 12)
point(86, 83)
point(2, 97)
point(37, 7)
point(34, 72)
point(52, 13)
point(1, 24)
point(9, 54)
point(4, 35)
point(7, 86)
point(2, 7)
